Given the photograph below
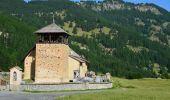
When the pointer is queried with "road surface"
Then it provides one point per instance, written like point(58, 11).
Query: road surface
point(5, 95)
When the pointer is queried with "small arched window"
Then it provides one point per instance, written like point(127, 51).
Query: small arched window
point(15, 76)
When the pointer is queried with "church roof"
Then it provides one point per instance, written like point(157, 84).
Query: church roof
point(76, 56)
point(52, 28)
point(17, 67)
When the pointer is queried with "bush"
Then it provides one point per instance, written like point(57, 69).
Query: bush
point(134, 75)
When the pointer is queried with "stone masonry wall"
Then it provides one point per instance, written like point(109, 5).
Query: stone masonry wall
point(29, 66)
point(70, 86)
point(51, 63)
point(75, 65)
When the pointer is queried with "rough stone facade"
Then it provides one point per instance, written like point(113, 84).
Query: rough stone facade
point(3, 78)
point(75, 65)
point(51, 87)
point(2, 82)
point(51, 63)
point(29, 66)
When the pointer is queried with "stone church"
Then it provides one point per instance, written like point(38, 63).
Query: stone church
point(51, 60)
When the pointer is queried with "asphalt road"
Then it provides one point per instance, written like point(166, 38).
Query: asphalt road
point(5, 95)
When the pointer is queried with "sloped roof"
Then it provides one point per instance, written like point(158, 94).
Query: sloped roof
point(17, 67)
point(52, 28)
point(76, 56)
point(33, 48)
point(73, 53)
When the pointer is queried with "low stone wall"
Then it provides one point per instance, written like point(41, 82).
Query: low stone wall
point(4, 88)
point(64, 86)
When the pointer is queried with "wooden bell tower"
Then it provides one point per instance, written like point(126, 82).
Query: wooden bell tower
point(52, 52)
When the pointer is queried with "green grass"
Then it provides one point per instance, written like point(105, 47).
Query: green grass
point(28, 81)
point(123, 89)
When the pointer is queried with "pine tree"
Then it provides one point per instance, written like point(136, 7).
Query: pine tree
point(75, 30)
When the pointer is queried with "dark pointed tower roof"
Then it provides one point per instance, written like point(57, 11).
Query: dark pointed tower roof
point(52, 28)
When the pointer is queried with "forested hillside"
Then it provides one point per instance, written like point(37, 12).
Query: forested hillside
point(15, 39)
point(125, 39)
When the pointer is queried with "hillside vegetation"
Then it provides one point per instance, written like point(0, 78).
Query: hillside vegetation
point(15, 40)
point(125, 39)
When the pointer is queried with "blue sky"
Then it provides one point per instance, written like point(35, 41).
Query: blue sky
point(163, 3)
point(93, 0)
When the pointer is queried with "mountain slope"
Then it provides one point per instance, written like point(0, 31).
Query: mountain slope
point(122, 38)
point(14, 41)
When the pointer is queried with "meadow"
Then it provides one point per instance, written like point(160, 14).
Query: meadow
point(123, 89)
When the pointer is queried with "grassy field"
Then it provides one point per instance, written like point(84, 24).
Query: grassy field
point(123, 89)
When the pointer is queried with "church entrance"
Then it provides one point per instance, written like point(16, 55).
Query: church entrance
point(76, 74)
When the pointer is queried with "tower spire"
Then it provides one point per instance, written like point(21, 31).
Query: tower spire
point(53, 19)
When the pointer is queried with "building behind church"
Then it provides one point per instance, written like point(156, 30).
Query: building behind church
point(51, 60)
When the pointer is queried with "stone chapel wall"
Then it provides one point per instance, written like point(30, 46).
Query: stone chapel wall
point(75, 65)
point(51, 63)
point(29, 66)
